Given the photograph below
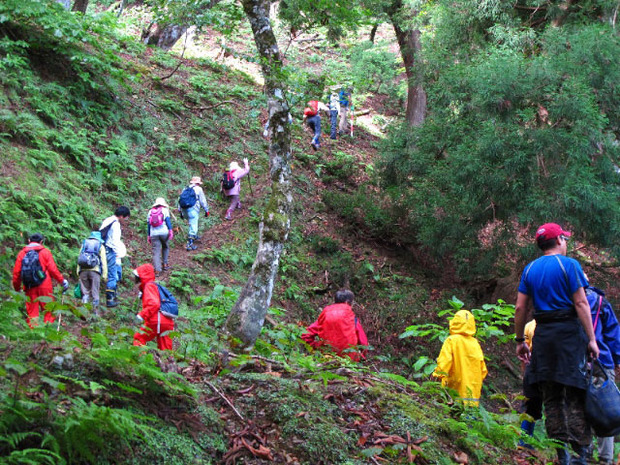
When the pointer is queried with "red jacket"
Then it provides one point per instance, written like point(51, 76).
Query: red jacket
point(47, 263)
point(150, 297)
point(338, 327)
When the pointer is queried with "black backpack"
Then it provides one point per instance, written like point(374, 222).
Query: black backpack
point(32, 272)
point(228, 182)
point(89, 255)
point(188, 197)
point(105, 230)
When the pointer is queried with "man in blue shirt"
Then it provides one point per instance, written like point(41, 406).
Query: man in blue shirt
point(555, 285)
point(607, 332)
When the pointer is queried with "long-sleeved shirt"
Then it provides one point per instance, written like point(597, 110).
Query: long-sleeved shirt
point(202, 200)
point(114, 234)
point(237, 175)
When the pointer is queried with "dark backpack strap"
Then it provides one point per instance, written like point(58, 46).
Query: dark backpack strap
point(600, 304)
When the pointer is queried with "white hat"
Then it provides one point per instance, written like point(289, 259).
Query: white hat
point(195, 180)
point(160, 202)
point(233, 166)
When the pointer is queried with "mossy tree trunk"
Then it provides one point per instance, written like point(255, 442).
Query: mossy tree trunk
point(248, 315)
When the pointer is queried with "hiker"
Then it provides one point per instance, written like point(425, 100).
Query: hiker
point(92, 269)
point(312, 117)
point(154, 323)
point(334, 111)
point(34, 269)
point(190, 201)
point(339, 328)
point(111, 234)
point(460, 364)
point(532, 404)
point(555, 285)
point(344, 96)
point(159, 232)
point(607, 333)
point(231, 185)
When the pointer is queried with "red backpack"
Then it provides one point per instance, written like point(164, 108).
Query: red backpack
point(156, 216)
point(312, 109)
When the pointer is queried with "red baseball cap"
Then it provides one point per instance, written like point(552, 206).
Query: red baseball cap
point(551, 231)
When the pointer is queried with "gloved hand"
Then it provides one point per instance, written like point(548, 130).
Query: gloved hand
point(148, 239)
point(65, 285)
point(139, 319)
point(139, 294)
point(206, 214)
point(170, 235)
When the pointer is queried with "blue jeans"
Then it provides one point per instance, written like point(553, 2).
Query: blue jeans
point(192, 215)
point(333, 115)
point(112, 271)
point(314, 122)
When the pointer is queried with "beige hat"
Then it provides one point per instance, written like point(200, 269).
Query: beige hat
point(196, 180)
point(233, 166)
point(160, 202)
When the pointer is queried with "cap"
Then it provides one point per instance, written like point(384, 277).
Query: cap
point(551, 231)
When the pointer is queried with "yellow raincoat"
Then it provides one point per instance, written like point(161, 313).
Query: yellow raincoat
point(460, 364)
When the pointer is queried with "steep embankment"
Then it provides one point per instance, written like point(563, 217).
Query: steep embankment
point(91, 119)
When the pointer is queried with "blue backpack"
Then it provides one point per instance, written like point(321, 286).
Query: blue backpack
point(188, 197)
point(169, 305)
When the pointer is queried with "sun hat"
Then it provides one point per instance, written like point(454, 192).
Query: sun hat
point(196, 180)
point(551, 231)
point(233, 166)
point(160, 202)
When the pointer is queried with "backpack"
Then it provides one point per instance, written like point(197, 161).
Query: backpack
point(32, 272)
point(228, 182)
point(169, 306)
point(105, 230)
point(188, 198)
point(312, 109)
point(156, 217)
point(89, 255)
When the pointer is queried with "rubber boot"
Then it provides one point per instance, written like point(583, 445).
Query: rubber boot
point(110, 297)
point(528, 428)
point(190, 244)
point(564, 456)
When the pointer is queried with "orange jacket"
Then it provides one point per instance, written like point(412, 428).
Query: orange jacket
point(338, 327)
point(47, 263)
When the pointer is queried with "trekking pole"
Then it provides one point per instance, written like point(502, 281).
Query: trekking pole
point(250, 184)
point(62, 302)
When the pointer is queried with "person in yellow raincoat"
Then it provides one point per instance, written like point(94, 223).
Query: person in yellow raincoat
point(460, 364)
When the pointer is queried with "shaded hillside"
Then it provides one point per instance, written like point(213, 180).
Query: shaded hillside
point(93, 120)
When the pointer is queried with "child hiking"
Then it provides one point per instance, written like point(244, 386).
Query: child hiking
point(231, 185)
point(190, 201)
point(460, 364)
point(92, 269)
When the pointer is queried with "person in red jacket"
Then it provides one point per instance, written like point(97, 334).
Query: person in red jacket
point(154, 324)
point(338, 327)
point(46, 288)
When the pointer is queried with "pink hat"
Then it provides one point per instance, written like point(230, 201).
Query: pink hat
point(551, 231)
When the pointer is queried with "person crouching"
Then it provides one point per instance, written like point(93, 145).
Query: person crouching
point(154, 323)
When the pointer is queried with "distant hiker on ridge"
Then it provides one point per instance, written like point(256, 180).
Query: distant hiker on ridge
point(111, 234)
point(460, 364)
point(159, 233)
point(334, 111)
point(231, 185)
point(190, 201)
point(313, 118)
point(34, 269)
point(339, 328)
point(344, 96)
point(92, 269)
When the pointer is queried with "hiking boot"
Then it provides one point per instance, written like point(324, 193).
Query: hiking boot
point(166, 267)
point(110, 296)
point(196, 238)
point(190, 245)
point(227, 218)
point(314, 146)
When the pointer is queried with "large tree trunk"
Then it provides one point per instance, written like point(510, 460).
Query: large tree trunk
point(163, 36)
point(248, 315)
point(409, 44)
point(80, 5)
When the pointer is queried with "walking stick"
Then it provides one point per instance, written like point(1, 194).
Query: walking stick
point(250, 184)
point(62, 302)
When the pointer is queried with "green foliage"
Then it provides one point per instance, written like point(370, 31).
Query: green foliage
point(512, 139)
point(374, 68)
